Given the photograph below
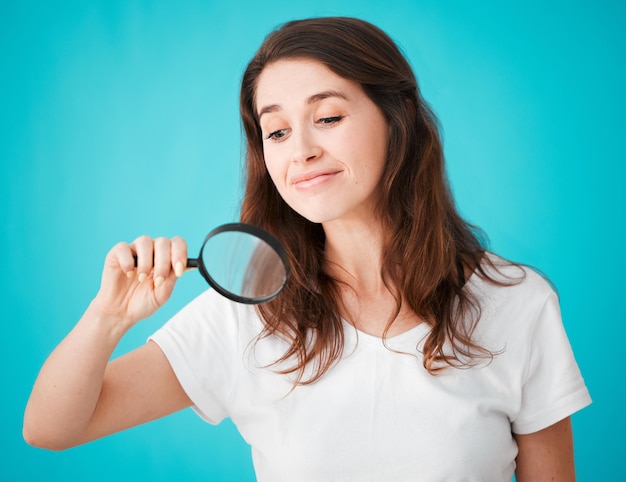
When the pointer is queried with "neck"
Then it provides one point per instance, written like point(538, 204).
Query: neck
point(353, 254)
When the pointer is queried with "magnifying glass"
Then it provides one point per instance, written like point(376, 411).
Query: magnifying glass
point(243, 263)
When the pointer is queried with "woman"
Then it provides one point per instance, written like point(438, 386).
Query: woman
point(399, 350)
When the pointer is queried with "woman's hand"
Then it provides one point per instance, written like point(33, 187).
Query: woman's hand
point(133, 290)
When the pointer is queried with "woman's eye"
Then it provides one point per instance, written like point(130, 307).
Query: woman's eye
point(276, 135)
point(330, 120)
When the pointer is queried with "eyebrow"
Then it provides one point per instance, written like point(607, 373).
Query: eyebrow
point(310, 100)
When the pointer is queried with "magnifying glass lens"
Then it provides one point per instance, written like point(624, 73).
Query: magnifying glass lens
point(243, 265)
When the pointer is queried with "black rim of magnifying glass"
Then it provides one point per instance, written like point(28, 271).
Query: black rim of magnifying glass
point(254, 231)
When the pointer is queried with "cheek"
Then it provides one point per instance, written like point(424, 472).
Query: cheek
point(269, 165)
point(275, 172)
point(379, 149)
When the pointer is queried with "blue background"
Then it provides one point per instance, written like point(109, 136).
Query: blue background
point(119, 118)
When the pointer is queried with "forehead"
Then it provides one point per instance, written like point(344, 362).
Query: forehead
point(294, 80)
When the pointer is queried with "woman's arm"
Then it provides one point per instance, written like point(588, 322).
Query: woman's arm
point(78, 395)
point(546, 455)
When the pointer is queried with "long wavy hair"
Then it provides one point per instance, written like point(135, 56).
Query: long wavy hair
point(428, 247)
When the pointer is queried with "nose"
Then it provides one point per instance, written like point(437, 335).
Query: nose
point(305, 146)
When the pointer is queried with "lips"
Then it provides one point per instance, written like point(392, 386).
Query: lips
point(313, 178)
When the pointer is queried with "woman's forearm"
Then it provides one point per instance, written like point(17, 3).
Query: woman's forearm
point(68, 387)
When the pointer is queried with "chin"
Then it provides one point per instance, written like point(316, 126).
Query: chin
point(317, 219)
point(318, 216)
point(327, 209)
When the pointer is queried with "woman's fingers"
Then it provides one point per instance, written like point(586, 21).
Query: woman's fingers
point(162, 261)
point(124, 256)
point(139, 277)
point(159, 257)
point(143, 247)
point(179, 255)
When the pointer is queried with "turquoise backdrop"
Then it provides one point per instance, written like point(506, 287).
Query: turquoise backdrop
point(119, 118)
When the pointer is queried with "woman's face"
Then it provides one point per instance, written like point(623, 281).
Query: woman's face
point(324, 141)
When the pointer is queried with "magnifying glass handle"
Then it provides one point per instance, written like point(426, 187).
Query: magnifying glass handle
point(191, 262)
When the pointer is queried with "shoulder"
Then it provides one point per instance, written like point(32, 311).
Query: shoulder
point(521, 320)
point(513, 300)
point(203, 344)
point(212, 317)
point(510, 282)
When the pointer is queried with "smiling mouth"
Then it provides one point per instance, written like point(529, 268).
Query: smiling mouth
point(313, 179)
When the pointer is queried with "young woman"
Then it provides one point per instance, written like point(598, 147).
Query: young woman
point(399, 350)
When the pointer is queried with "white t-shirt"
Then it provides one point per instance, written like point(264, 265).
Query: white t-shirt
point(378, 415)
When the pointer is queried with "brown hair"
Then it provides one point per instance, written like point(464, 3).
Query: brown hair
point(429, 244)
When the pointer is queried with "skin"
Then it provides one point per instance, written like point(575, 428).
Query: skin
point(310, 119)
point(546, 455)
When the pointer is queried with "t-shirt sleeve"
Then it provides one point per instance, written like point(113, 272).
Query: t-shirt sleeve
point(200, 343)
point(553, 387)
